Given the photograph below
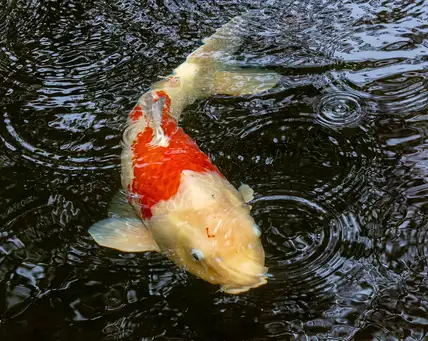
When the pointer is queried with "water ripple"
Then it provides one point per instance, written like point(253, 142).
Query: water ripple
point(312, 259)
point(59, 107)
point(340, 109)
point(402, 93)
point(336, 154)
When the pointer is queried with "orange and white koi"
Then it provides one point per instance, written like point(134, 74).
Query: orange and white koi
point(179, 203)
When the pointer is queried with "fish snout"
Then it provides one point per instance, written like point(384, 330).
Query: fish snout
point(243, 273)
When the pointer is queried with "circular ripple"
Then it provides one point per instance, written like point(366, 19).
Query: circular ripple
point(35, 141)
point(65, 95)
point(49, 107)
point(340, 109)
point(309, 248)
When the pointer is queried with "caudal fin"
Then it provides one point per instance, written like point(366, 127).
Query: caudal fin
point(232, 81)
point(225, 40)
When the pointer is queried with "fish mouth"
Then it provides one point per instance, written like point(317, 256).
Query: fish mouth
point(236, 281)
point(233, 290)
point(239, 273)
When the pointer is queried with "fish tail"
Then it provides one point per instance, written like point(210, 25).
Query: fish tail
point(225, 40)
point(229, 80)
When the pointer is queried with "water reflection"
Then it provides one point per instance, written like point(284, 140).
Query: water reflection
point(337, 156)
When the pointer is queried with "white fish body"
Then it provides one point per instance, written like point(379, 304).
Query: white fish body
point(204, 224)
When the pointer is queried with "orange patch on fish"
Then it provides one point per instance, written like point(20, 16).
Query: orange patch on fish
point(157, 169)
point(136, 113)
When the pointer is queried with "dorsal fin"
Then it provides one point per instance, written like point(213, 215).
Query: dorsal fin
point(155, 104)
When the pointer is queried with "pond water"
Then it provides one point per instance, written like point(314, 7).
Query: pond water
point(337, 155)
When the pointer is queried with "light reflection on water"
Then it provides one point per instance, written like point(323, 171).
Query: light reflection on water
point(336, 154)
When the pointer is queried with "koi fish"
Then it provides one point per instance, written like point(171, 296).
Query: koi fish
point(178, 202)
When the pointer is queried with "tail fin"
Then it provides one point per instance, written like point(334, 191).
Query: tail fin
point(232, 81)
point(225, 40)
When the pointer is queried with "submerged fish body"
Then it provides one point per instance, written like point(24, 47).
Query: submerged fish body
point(179, 203)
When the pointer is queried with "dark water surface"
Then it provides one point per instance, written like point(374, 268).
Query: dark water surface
point(337, 155)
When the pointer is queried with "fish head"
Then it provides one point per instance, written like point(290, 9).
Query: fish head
point(212, 234)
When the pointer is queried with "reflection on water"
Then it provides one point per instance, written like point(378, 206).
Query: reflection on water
point(337, 155)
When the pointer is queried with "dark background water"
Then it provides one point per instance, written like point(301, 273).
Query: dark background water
point(337, 155)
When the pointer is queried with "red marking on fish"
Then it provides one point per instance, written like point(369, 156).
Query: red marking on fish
point(136, 113)
point(157, 169)
point(207, 230)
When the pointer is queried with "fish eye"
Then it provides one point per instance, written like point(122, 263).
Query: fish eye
point(197, 255)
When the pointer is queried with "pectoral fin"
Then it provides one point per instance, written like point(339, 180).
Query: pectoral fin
point(246, 192)
point(233, 291)
point(124, 234)
point(244, 81)
point(119, 206)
